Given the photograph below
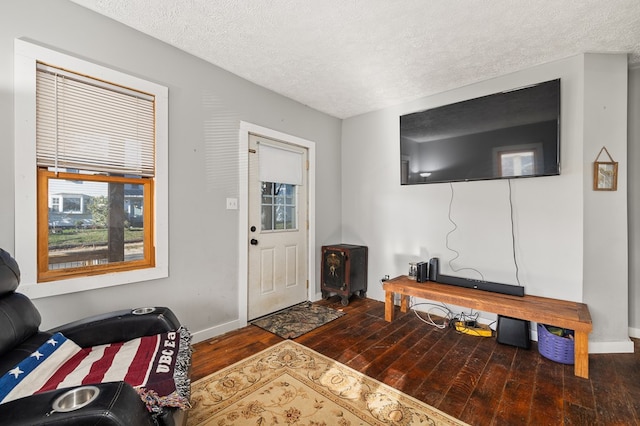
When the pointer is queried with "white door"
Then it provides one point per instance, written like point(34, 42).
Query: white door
point(278, 233)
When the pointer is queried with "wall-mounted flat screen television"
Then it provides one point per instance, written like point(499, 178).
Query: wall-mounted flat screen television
point(511, 134)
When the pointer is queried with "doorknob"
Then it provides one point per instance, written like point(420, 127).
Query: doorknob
point(254, 242)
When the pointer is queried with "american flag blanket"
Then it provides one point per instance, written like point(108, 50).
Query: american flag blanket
point(157, 366)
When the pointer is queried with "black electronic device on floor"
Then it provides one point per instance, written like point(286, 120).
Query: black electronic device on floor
point(514, 332)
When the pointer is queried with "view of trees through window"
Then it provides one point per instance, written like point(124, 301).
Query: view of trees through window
point(92, 222)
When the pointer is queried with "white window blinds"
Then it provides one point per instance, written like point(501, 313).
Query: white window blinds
point(87, 124)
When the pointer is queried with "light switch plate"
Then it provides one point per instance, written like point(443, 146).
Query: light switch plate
point(232, 204)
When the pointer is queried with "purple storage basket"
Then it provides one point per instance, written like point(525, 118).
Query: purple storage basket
point(555, 348)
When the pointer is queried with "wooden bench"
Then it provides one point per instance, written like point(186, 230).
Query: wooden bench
point(559, 313)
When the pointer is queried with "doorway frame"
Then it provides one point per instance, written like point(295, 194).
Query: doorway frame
point(247, 128)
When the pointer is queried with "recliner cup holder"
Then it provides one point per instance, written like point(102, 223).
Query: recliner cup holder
point(75, 399)
point(143, 311)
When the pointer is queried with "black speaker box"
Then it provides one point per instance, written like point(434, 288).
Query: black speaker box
point(434, 269)
point(422, 269)
point(514, 332)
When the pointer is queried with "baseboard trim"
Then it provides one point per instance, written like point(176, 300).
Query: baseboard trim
point(634, 332)
point(211, 332)
point(617, 347)
point(208, 333)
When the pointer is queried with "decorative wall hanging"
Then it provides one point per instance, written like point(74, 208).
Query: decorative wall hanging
point(605, 173)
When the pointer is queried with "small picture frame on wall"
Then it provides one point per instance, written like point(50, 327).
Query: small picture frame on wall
point(605, 173)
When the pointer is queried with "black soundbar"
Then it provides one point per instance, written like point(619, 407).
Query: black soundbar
point(434, 275)
point(513, 290)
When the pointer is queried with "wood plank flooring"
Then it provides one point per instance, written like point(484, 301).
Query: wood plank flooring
point(471, 378)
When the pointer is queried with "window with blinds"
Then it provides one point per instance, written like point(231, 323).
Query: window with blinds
point(83, 123)
point(95, 154)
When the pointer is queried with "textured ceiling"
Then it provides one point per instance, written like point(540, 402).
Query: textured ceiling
point(348, 57)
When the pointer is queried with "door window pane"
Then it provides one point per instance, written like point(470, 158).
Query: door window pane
point(279, 211)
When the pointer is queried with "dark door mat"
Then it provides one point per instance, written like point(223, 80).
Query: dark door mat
point(297, 320)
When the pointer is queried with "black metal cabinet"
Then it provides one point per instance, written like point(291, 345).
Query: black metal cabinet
point(344, 271)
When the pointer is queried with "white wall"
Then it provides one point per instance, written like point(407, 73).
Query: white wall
point(633, 176)
point(408, 223)
point(606, 281)
point(206, 105)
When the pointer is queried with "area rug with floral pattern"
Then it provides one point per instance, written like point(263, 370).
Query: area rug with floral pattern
point(290, 384)
point(298, 319)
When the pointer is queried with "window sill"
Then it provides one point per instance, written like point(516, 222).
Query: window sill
point(87, 283)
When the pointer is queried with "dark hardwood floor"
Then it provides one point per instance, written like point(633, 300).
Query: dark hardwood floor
point(474, 379)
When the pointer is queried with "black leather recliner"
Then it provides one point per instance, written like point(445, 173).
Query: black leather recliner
point(116, 403)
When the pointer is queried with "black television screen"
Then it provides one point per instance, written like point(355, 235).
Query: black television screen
point(511, 134)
